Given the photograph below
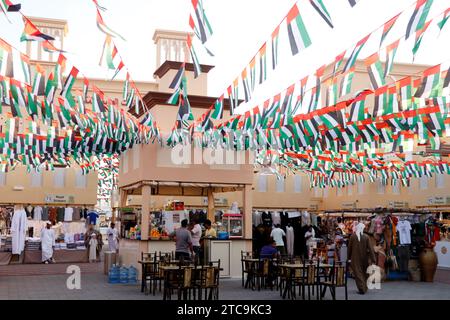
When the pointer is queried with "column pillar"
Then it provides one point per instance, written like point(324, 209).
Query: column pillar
point(145, 212)
point(248, 210)
point(211, 208)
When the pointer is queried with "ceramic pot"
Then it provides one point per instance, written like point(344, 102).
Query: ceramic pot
point(428, 264)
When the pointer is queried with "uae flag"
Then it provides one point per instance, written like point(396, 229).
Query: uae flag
point(354, 55)
point(202, 21)
point(338, 62)
point(174, 97)
point(233, 95)
point(286, 107)
point(376, 72)
point(68, 84)
point(39, 81)
point(430, 83)
point(177, 79)
point(262, 64)
point(419, 36)
point(217, 113)
point(195, 61)
point(387, 28)
point(104, 28)
point(346, 82)
point(85, 88)
point(32, 33)
point(298, 35)
point(381, 95)
point(322, 10)
point(391, 50)
point(50, 89)
point(6, 60)
point(357, 110)
point(25, 66)
point(252, 67)
point(419, 16)
point(97, 100)
point(405, 92)
point(332, 92)
point(275, 36)
point(445, 17)
point(244, 78)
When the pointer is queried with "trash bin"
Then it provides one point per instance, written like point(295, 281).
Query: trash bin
point(110, 259)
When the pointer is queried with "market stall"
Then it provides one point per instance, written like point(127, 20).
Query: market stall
point(69, 225)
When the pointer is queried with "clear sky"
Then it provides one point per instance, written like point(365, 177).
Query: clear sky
point(240, 28)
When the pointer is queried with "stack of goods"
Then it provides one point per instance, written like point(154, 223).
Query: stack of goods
point(6, 244)
point(80, 245)
point(60, 246)
point(33, 244)
point(72, 246)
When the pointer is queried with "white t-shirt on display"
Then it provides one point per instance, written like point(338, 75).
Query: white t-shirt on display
point(277, 235)
point(404, 231)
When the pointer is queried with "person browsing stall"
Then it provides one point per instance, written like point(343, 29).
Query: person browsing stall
point(277, 235)
point(210, 232)
point(183, 241)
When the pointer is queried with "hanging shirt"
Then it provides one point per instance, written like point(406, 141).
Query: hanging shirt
point(68, 214)
point(93, 216)
point(277, 235)
point(276, 218)
point(404, 231)
point(18, 231)
point(37, 213)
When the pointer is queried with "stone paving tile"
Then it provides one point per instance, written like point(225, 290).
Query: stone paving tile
point(95, 286)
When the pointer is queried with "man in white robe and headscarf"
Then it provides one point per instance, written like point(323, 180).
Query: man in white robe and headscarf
point(359, 253)
point(113, 238)
point(47, 243)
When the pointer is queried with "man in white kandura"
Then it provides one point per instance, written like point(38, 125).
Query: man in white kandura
point(113, 238)
point(47, 243)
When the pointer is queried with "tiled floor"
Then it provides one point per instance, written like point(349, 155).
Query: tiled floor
point(94, 285)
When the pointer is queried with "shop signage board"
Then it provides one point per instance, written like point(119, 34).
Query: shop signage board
point(398, 204)
point(313, 207)
point(437, 200)
point(55, 198)
point(348, 205)
point(218, 202)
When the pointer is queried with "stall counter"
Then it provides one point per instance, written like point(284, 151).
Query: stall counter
point(228, 251)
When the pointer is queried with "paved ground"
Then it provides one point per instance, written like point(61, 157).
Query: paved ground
point(95, 286)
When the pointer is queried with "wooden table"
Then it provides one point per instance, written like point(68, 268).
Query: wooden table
point(299, 266)
point(167, 270)
point(254, 266)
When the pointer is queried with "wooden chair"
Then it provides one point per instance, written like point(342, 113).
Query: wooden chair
point(337, 278)
point(265, 273)
point(245, 266)
point(148, 271)
point(209, 280)
point(173, 280)
point(310, 278)
point(166, 255)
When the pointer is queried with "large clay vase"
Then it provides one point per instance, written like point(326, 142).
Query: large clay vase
point(428, 264)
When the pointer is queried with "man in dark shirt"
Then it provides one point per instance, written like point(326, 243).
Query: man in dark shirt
point(269, 250)
point(183, 239)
